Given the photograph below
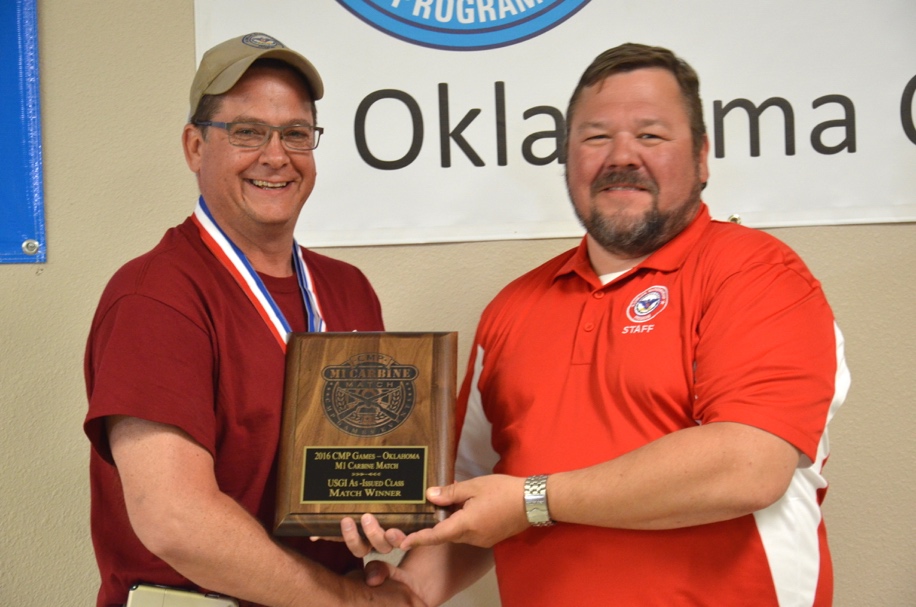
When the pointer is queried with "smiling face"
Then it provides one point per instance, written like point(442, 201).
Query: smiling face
point(255, 195)
point(632, 173)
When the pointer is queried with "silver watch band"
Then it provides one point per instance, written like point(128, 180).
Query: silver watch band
point(536, 501)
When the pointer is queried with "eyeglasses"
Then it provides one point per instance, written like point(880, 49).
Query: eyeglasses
point(295, 138)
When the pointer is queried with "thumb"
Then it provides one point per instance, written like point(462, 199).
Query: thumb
point(447, 495)
point(376, 572)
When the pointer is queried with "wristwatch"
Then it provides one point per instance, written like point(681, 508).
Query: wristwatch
point(536, 501)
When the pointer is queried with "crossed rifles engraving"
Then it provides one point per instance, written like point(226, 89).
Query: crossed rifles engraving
point(369, 404)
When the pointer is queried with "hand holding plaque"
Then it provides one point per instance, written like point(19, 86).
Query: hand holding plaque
point(368, 425)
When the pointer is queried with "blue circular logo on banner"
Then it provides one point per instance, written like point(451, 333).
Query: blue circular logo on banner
point(463, 25)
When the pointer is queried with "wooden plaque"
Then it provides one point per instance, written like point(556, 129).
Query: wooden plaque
point(368, 425)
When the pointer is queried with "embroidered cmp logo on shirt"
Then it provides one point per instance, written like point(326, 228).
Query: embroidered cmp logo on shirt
point(646, 306)
point(463, 25)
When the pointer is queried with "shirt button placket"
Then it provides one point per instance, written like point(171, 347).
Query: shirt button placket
point(592, 315)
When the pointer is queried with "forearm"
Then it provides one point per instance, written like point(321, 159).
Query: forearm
point(221, 547)
point(691, 477)
point(180, 514)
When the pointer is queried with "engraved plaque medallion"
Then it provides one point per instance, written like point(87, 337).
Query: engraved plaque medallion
point(368, 425)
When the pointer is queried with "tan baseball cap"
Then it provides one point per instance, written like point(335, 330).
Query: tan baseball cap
point(223, 65)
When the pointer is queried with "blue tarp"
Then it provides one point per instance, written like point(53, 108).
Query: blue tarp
point(22, 224)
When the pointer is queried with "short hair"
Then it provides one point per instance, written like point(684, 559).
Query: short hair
point(629, 57)
point(209, 104)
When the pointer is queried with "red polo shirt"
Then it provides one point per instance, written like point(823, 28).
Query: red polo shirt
point(724, 323)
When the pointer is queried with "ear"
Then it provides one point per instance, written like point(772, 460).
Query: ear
point(703, 160)
point(192, 140)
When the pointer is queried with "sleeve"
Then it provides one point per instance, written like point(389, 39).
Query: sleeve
point(146, 360)
point(476, 456)
point(768, 355)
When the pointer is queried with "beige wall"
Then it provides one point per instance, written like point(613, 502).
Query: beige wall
point(114, 82)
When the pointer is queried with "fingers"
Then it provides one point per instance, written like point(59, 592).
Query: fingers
point(325, 538)
point(449, 530)
point(378, 537)
point(372, 538)
point(354, 541)
point(488, 511)
point(395, 537)
point(375, 538)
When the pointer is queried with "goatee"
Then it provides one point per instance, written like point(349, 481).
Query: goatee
point(632, 237)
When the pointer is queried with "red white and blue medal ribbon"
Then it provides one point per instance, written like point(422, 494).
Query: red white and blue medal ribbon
point(235, 262)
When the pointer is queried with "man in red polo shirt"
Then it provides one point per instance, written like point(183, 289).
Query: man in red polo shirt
point(644, 417)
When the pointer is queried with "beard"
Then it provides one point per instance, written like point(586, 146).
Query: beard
point(629, 236)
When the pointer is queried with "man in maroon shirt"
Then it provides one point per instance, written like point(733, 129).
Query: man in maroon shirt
point(184, 365)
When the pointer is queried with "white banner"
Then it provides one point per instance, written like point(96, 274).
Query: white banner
point(442, 117)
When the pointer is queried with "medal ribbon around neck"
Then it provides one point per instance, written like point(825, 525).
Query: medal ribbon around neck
point(235, 262)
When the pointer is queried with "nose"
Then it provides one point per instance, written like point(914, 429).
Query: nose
point(622, 151)
point(273, 152)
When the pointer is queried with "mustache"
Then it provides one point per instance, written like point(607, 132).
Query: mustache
point(614, 178)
